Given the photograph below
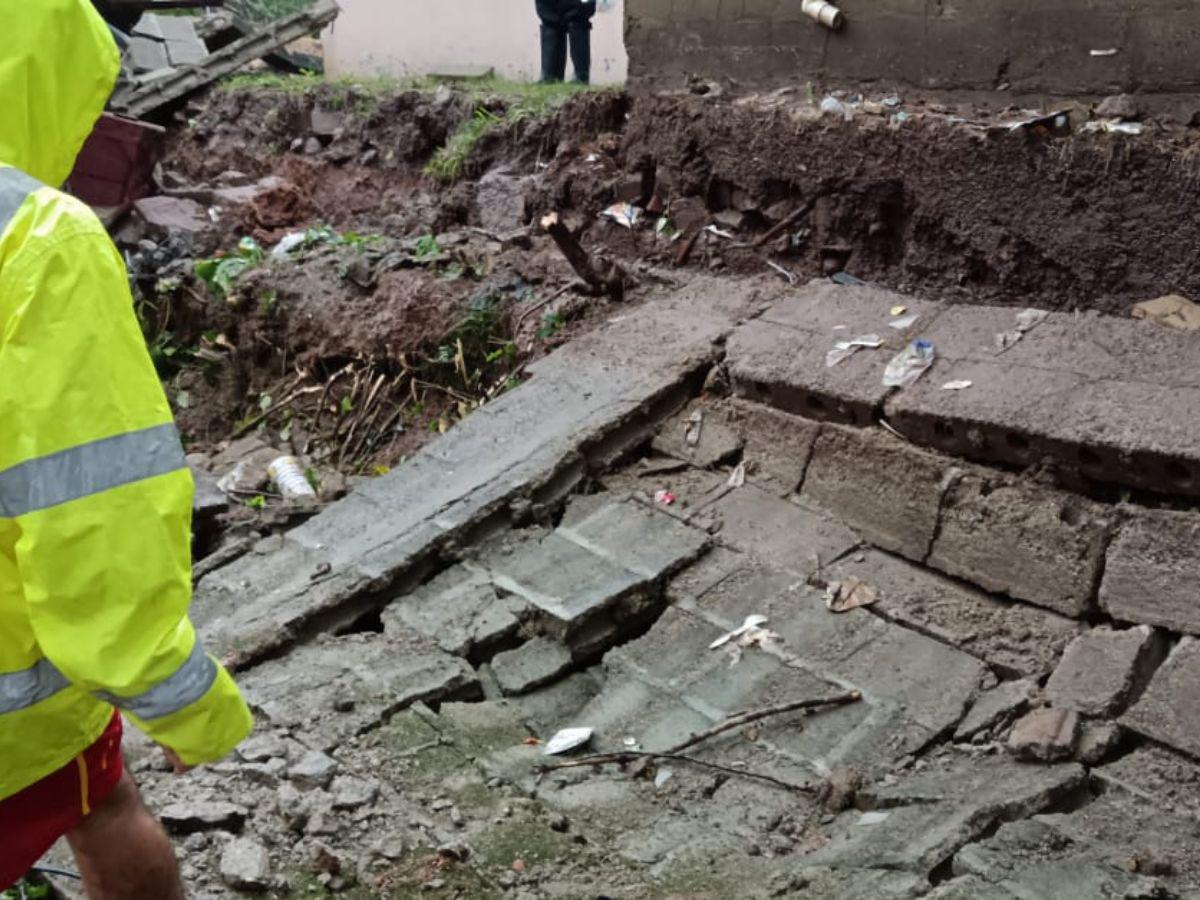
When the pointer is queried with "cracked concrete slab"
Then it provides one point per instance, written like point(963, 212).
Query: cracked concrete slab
point(590, 397)
point(340, 687)
point(925, 818)
point(778, 531)
point(1013, 638)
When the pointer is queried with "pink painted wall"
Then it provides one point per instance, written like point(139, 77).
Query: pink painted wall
point(406, 38)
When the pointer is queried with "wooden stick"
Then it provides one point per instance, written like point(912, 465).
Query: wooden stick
point(746, 718)
point(609, 281)
point(787, 223)
point(689, 244)
point(627, 756)
point(729, 724)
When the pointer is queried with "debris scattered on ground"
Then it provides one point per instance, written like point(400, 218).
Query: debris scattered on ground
point(602, 275)
point(1173, 311)
point(750, 624)
point(843, 350)
point(843, 596)
point(909, 364)
point(957, 385)
point(1045, 734)
point(663, 497)
point(731, 723)
point(567, 740)
point(737, 478)
point(624, 214)
point(1026, 321)
point(287, 474)
point(1115, 126)
point(904, 322)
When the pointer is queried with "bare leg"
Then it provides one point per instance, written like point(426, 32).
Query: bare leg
point(123, 852)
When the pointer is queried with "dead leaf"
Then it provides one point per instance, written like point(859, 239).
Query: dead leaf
point(843, 596)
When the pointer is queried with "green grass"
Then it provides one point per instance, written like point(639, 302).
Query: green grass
point(521, 101)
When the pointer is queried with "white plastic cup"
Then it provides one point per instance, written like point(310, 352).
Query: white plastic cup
point(288, 476)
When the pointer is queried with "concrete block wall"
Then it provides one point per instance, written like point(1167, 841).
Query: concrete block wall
point(1012, 536)
point(1030, 46)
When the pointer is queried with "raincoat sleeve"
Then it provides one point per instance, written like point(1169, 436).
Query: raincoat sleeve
point(104, 547)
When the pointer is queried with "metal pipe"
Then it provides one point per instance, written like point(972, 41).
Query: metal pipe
point(825, 13)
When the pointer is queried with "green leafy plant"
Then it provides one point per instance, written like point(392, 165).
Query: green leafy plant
point(427, 246)
point(220, 272)
point(552, 324)
point(257, 502)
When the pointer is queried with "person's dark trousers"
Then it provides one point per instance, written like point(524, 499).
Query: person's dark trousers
point(563, 22)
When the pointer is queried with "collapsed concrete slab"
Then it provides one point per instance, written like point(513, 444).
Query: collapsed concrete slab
point(1152, 570)
point(1167, 712)
point(1027, 541)
point(1103, 668)
point(337, 688)
point(1012, 637)
point(899, 511)
point(1032, 858)
point(922, 820)
point(587, 403)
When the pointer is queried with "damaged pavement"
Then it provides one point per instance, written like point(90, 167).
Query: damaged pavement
point(811, 634)
point(1014, 723)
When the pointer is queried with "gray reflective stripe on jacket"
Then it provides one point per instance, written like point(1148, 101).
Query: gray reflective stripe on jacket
point(19, 690)
point(15, 188)
point(189, 683)
point(41, 681)
point(89, 469)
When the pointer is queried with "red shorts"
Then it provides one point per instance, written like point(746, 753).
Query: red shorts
point(31, 821)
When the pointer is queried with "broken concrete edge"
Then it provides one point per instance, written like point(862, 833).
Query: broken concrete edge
point(362, 589)
point(1014, 412)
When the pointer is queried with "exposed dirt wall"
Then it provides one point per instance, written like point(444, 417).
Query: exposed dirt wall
point(1023, 45)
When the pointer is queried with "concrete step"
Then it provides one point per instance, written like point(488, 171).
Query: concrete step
point(1113, 399)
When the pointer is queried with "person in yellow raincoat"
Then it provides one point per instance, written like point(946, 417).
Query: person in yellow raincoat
point(95, 498)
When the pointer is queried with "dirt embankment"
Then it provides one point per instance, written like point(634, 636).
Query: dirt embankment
point(430, 296)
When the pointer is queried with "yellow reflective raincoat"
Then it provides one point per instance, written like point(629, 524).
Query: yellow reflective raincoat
point(95, 499)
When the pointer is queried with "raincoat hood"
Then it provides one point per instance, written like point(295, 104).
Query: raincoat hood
point(57, 70)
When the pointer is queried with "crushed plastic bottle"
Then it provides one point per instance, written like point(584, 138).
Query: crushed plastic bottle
point(909, 364)
point(288, 476)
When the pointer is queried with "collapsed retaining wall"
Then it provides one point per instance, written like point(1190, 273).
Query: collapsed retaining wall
point(948, 45)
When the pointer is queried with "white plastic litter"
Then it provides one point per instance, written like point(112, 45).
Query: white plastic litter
point(957, 385)
point(287, 244)
point(835, 107)
point(843, 350)
point(1115, 126)
point(909, 364)
point(873, 818)
point(750, 624)
point(624, 214)
point(904, 322)
point(663, 776)
point(288, 476)
point(567, 740)
point(737, 478)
